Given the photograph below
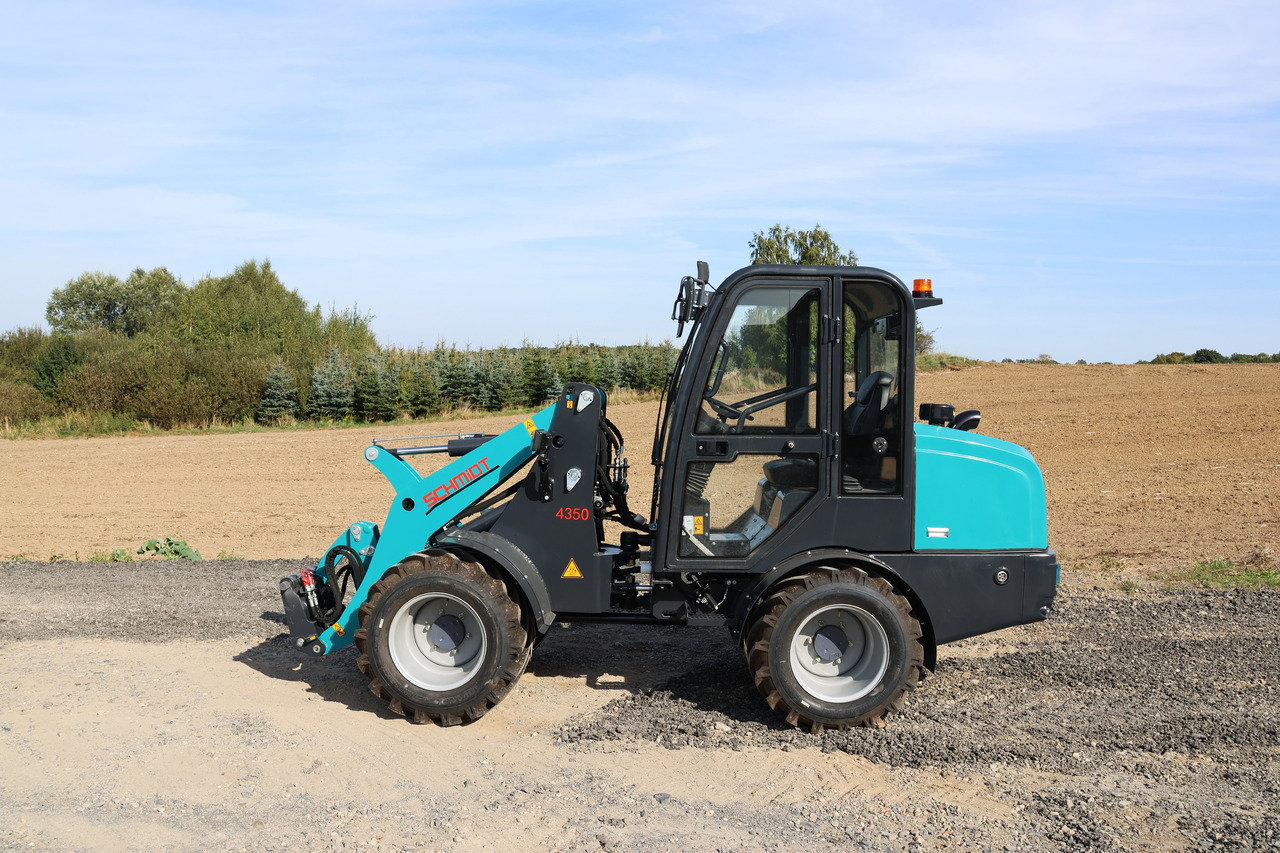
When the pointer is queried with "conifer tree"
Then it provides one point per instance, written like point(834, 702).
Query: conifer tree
point(598, 368)
point(458, 379)
point(479, 392)
point(555, 387)
point(419, 396)
point(280, 396)
point(631, 369)
point(537, 375)
point(332, 388)
point(504, 376)
point(375, 390)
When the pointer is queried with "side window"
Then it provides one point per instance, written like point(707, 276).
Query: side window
point(873, 424)
point(764, 375)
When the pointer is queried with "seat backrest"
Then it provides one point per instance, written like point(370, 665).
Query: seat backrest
point(872, 398)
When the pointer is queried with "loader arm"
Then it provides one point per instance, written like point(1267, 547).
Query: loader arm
point(441, 496)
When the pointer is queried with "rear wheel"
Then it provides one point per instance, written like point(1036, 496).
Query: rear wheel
point(834, 649)
point(441, 639)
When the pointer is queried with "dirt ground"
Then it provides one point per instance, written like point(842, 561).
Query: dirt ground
point(157, 706)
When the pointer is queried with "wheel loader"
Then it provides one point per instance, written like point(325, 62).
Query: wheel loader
point(797, 502)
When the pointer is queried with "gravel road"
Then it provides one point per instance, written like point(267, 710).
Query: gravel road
point(1129, 721)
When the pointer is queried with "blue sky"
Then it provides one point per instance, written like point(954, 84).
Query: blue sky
point(1091, 180)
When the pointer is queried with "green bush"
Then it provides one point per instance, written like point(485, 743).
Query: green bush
point(943, 361)
point(20, 402)
point(1209, 356)
point(167, 386)
point(57, 361)
point(169, 549)
point(20, 349)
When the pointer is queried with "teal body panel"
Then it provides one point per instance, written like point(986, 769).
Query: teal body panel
point(436, 500)
point(987, 494)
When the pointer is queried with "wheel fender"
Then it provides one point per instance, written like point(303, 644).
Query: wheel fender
point(806, 560)
point(514, 563)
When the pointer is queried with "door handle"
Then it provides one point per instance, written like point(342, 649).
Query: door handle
point(713, 448)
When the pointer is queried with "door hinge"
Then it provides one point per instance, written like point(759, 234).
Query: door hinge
point(830, 443)
point(829, 329)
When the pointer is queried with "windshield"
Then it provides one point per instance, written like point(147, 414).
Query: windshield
point(766, 358)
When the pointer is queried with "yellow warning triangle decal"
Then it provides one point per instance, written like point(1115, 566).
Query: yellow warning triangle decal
point(571, 570)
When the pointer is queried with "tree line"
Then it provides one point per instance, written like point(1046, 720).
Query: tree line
point(151, 348)
point(229, 348)
point(1212, 356)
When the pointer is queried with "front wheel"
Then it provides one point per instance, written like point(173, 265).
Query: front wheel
point(834, 649)
point(441, 639)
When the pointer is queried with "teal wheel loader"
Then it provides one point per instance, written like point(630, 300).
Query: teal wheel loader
point(797, 502)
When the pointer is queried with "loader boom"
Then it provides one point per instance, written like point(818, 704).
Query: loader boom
point(441, 496)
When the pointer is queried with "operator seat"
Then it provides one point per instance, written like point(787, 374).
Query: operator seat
point(866, 413)
point(865, 417)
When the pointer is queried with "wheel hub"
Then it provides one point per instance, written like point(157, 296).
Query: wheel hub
point(447, 632)
point(830, 642)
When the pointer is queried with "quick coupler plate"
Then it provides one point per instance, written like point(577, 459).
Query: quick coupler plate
point(302, 627)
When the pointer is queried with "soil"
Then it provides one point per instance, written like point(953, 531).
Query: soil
point(1154, 466)
point(157, 705)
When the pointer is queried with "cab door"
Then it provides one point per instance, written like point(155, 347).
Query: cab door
point(754, 447)
point(875, 484)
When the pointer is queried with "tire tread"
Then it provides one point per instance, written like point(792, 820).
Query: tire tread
point(517, 653)
point(760, 638)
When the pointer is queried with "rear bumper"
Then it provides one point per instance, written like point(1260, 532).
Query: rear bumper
point(967, 593)
point(1043, 572)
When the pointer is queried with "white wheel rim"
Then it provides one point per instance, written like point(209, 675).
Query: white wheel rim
point(834, 671)
point(437, 642)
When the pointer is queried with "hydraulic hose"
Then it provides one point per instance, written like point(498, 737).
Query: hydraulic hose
point(354, 569)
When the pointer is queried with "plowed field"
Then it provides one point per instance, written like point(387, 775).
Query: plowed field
point(1150, 465)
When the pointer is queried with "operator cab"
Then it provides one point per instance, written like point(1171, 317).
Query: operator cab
point(795, 391)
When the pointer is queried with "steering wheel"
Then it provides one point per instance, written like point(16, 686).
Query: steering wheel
point(724, 410)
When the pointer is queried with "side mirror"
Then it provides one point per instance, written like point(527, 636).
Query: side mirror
point(938, 414)
point(690, 297)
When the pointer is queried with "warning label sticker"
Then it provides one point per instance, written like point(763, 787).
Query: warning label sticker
point(530, 426)
point(571, 570)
